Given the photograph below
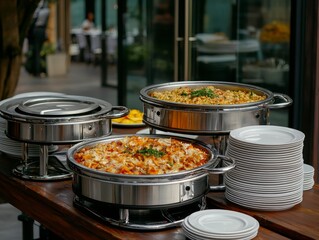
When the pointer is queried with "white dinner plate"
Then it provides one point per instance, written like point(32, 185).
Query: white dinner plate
point(194, 234)
point(264, 158)
point(263, 151)
point(262, 206)
point(260, 188)
point(261, 176)
point(267, 135)
point(222, 222)
point(308, 169)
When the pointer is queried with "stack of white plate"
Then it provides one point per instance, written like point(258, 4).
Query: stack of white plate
point(15, 148)
point(269, 167)
point(219, 224)
point(12, 147)
point(308, 175)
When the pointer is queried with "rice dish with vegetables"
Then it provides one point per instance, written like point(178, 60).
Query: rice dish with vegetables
point(207, 95)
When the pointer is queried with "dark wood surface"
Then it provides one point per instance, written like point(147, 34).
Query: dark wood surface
point(299, 222)
point(51, 204)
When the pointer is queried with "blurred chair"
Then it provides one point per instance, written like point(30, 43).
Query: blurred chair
point(74, 52)
point(95, 47)
point(112, 48)
point(81, 41)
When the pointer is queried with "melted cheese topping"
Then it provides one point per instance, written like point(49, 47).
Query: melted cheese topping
point(142, 156)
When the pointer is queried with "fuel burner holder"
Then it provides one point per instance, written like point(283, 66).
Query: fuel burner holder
point(139, 219)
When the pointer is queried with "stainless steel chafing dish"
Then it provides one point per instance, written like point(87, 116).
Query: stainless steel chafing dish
point(58, 119)
point(144, 191)
point(208, 119)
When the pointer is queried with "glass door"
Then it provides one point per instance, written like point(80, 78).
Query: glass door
point(146, 47)
point(243, 41)
point(152, 47)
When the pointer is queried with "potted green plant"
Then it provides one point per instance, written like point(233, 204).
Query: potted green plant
point(55, 62)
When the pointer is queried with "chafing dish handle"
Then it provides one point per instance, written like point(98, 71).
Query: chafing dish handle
point(287, 101)
point(123, 111)
point(230, 165)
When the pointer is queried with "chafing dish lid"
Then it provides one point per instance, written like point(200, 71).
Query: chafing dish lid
point(57, 106)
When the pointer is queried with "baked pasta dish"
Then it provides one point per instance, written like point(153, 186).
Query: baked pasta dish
point(207, 95)
point(142, 156)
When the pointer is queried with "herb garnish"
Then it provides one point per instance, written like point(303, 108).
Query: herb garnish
point(204, 92)
point(151, 151)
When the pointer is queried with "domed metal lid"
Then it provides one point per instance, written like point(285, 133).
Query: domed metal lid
point(57, 107)
point(54, 108)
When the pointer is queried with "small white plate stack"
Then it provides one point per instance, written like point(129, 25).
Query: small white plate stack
point(219, 224)
point(308, 174)
point(269, 167)
point(12, 147)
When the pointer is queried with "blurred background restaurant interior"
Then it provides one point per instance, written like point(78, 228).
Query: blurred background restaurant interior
point(136, 43)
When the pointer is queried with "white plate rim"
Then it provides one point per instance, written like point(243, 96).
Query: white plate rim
point(250, 222)
point(242, 134)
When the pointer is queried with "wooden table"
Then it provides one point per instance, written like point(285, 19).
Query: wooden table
point(51, 204)
point(299, 222)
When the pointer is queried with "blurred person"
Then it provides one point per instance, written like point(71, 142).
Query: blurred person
point(37, 36)
point(88, 23)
